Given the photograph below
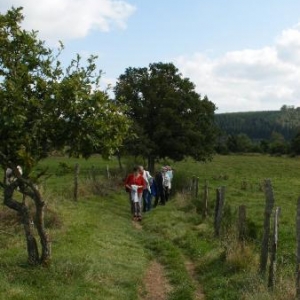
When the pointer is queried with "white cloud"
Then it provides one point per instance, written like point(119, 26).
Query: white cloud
point(250, 79)
point(70, 19)
point(288, 45)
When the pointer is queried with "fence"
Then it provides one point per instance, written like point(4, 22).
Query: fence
point(269, 243)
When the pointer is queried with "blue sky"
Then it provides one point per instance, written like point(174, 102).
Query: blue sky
point(244, 55)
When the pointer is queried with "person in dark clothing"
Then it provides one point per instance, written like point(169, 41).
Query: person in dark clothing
point(160, 195)
point(152, 194)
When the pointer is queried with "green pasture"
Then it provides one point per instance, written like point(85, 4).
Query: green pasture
point(98, 253)
point(243, 178)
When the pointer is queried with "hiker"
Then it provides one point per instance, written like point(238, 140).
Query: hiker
point(146, 189)
point(160, 195)
point(134, 184)
point(170, 174)
point(166, 183)
point(152, 193)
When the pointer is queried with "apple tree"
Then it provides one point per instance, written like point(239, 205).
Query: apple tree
point(44, 107)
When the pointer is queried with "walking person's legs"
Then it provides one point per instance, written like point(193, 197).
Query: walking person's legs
point(166, 193)
point(162, 197)
point(145, 200)
point(149, 201)
point(131, 203)
point(139, 207)
point(136, 211)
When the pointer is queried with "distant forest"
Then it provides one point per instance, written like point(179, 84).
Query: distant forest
point(252, 131)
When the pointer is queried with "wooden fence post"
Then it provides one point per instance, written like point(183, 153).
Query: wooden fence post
point(219, 209)
point(272, 268)
point(76, 175)
point(266, 234)
point(205, 200)
point(298, 251)
point(242, 225)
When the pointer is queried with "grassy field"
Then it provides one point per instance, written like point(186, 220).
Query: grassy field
point(242, 177)
point(98, 253)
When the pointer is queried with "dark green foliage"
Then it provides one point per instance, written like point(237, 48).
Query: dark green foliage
point(273, 132)
point(63, 169)
point(257, 125)
point(277, 144)
point(45, 107)
point(170, 118)
point(181, 181)
point(251, 230)
point(295, 144)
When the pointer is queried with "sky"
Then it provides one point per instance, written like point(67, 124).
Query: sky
point(242, 55)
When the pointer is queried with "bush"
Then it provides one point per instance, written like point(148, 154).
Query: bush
point(181, 182)
point(63, 169)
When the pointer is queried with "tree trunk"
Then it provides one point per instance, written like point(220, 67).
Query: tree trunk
point(28, 189)
point(151, 164)
point(44, 238)
point(39, 223)
point(22, 209)
point(119, 161)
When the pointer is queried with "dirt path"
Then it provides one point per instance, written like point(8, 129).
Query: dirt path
point(190, 267)
point(137, 225)
point(156, 284)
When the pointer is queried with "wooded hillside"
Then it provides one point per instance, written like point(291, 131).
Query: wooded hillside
point(260, 125)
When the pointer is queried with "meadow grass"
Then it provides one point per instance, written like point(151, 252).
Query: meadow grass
point(242, 177)
point(99, 254)
point(94, 256)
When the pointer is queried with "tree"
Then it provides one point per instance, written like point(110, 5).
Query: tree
point(278, 144)
point(170, 118)
point(239, 143)
point(290, 119)
point(44, 107)
point(295, 143)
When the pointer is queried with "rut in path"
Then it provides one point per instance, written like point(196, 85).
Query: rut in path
point(156, 283)
point(190, 267)
point(157, 286)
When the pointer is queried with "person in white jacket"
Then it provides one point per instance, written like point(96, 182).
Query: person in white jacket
point(146, 189)
point(166, 183)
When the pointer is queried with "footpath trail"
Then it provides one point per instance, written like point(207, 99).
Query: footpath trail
point(191, 270)
point(156, 283)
